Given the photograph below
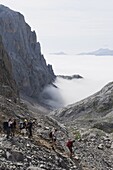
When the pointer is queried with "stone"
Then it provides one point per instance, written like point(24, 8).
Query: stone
point(112, 145)
point(34, 168)
point(15, 156)
point(100, 146)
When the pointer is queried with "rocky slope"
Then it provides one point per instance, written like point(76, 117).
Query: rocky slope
point(19, 153)
point(91, 121)
point(97, 106)
point(22, 153)
point(30, 70)
point(94, 149)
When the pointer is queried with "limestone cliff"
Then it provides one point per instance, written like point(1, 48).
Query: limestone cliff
point(30, 70)
point(8, 86)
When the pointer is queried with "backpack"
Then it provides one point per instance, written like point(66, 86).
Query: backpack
point(50, 134)
point(21, 125)
point(5, 125)
point(29, 125)
point(69, 143)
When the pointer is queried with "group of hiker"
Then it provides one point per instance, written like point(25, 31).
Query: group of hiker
point(11, 126)
point(69, 143)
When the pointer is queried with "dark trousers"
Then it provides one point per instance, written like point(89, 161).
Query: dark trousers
point(8, 131)
point(29, 132)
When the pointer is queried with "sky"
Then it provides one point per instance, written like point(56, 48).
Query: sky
point(70, 26)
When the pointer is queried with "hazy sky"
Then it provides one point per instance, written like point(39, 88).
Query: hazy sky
point(71, 26)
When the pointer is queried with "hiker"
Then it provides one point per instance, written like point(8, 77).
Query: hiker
point(23, 127)
point(69, 144)
point(13, 127)
point(53, 137)
point(29, 128)
point(9, 126)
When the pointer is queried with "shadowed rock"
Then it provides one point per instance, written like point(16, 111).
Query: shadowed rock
point(30, 70)
point(8, 87)
point(75, 76)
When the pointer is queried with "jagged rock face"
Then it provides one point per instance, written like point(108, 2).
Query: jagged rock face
point(29, 66)
point(8, 86)
point(97, 106)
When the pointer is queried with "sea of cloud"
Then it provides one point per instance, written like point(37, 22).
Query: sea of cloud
point(96, 72)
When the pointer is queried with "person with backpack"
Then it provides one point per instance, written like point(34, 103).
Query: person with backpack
point(13, 127)
point(7, 127)
point(23, 127)
point(29, 128)
point(53, 136)
point(69, 145)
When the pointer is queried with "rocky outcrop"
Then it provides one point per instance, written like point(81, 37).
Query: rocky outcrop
point(75, 76)
point(105, 126)
point(96, 106)
point(30, 70)
point(8, 87)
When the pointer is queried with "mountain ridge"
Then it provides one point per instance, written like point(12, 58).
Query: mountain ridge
point(96, 106)
point(99, 52)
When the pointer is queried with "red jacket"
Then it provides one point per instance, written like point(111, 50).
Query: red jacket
point(69, 144)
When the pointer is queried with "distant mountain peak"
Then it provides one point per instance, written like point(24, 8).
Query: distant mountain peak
point(99, 52)
point(59, 53)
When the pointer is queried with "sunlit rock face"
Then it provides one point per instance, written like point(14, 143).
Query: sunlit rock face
point(30, 70)
point(8, 87)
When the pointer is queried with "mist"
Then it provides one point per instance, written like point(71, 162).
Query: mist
point(52, 97)
point(95, 70)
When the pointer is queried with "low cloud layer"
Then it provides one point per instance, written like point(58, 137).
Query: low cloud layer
point(96, 71)
point(52, 97)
